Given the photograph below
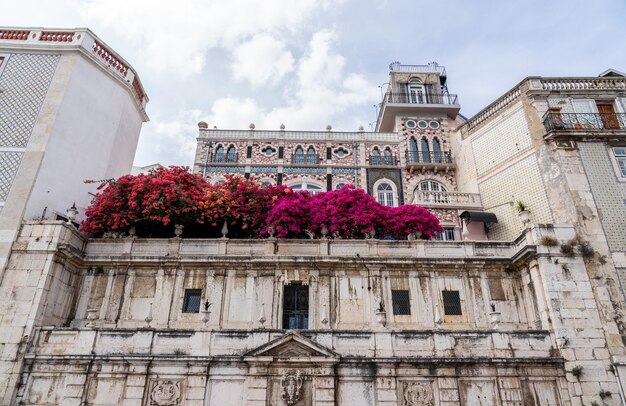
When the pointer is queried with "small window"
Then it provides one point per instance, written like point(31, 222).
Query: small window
point(193, 297)
point(384, 194)
point(410, 124)
point(422, 124)
point(400, 302)
point(451, 303)
point(446, 235)
point(433, 124)
point(340, 185)
point(620, 157)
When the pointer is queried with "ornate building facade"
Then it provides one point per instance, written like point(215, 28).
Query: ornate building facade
point(499, 311)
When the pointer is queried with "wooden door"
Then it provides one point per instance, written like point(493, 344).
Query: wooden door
point(609, 119)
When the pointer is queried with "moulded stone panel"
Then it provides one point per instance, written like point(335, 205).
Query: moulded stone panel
point(478, 392)
point(356, 393)
point(45, 390)
point(109, 391)
point(226, 392)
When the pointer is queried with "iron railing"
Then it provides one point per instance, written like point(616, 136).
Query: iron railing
point(428, 198)
point(383, 160)
point(224, 158)
point(556, 121)
point(305, 159)
point(421, 98)
point(427, 157)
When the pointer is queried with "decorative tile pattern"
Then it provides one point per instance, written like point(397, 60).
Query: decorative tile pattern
point(304, 170)
point(609, 194)
point(263, 169)
point(343, 171)
point(520, 181)
point(511, 135)
point(24, 84)
point(9, 163)
point(225, 169)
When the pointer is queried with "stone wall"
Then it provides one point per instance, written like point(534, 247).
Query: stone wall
point(101, 321)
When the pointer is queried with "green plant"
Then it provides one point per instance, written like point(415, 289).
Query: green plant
point(577, 371)
point(586, 250)
point(567, 249)
point(605, 394)
point(520, 206)
point(594, 403)
point(549, 241)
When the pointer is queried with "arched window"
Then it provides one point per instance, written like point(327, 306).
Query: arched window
point(416, 91)
point(437, 155)
point(387, 152)
point(375, 152)
point(299, 150)
point(219, 150)
point(266, 183)
point(231, 154)
point(310, 151)
point(309, 187)
point(340, 185)
point(385, 192)
point(413, 151)
point(425, 150)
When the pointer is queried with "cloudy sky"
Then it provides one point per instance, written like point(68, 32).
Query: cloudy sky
point(309, 63)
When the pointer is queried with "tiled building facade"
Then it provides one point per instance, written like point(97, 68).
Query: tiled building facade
point(465, 321)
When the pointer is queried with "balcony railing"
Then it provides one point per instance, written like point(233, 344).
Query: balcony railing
point(431, 198)
point(426, 157)
point(383, 160)
point(305, 159)
point(224, 158)
point(557, 121)
point(421, 98)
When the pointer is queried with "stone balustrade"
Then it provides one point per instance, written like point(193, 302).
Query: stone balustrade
point(236, 343)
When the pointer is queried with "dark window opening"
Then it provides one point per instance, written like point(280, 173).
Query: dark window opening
point(446, 235)
point(451, 303)
point(400, 301)
point(193, 297)
point(296, 307)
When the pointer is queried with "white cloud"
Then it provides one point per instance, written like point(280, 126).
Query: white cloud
point(262, 60)
point(177, 36)
point(322, 93)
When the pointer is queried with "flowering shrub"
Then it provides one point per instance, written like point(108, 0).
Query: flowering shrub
point(158, 199)
point(153, 203)
point(349, 213)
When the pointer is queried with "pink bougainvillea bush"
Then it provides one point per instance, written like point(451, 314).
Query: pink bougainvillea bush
point(151, 204)
point(349, 213)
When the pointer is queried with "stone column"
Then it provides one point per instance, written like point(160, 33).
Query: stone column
point(386, 385)
point(83, 299)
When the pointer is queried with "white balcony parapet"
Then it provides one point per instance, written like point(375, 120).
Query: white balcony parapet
point(77, 39)
point(447, 199)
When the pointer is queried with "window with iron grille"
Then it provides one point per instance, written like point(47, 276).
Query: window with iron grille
point(400, 302)
point(193, 297)
point(446, 235)
point(451, 303)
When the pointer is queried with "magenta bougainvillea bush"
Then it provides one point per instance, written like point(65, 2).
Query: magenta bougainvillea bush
point(150, 205)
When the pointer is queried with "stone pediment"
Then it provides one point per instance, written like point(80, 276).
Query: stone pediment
point(292, 345)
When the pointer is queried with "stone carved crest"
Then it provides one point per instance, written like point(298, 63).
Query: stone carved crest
point(291, 386)
point(418, 394)
point(165, 393)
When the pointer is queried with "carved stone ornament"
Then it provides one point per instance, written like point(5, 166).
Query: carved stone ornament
point(291, 386)
point(165, 393)
point(418, 394)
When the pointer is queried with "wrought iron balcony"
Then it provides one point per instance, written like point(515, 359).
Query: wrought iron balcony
point(224, 158)
point(383, 160)
point(421, 98)
point(557, 121)
point(447, 199)
point(305, 159)
point(405, 103)
point(429, 160)
point(444, 157)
